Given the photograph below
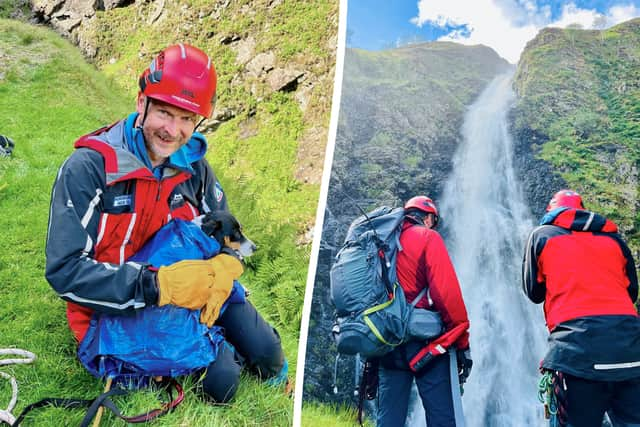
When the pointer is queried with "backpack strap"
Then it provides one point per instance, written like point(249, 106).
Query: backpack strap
point(418, 297)
point(104, 400)
point(385, 264)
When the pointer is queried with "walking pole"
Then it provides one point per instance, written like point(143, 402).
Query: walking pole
point(107, 387)
point(455, 388)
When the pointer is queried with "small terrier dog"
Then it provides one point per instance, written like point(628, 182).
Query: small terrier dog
point(226, 229)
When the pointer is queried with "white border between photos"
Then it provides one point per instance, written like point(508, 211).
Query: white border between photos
point(317, 233)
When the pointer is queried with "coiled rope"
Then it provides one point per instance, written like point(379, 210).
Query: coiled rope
point(25, 357)
point(553, 384)
point(545, 387)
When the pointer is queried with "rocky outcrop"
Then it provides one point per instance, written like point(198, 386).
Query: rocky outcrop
point(537, 177)
point(73, 18)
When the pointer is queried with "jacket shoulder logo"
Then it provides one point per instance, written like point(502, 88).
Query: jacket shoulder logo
point(218, 192)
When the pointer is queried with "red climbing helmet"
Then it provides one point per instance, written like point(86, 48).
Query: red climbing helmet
point(183, 76)
point(423, 203)
point(565, 198)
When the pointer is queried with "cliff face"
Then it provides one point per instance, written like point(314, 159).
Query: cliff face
point(577, 120)
point(400, 115)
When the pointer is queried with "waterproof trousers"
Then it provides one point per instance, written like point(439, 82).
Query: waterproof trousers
point(434, 387)
point(256, 346)
point(588, 400)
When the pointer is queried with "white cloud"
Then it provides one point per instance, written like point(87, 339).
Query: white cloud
point(618, 14)
point(571, 14)
point(507, 25)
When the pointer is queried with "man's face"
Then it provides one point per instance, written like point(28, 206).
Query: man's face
point(166, 128)
point(430, 220)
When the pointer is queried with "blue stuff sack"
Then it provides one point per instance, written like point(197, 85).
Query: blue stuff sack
point(168, 340)
point(176, 241)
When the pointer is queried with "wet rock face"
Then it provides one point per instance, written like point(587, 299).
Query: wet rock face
point(538, 178)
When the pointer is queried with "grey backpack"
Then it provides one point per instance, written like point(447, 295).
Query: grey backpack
point(370, 307)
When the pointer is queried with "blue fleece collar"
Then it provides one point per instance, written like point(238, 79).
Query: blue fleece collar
point(190, 152)
point(550, 216)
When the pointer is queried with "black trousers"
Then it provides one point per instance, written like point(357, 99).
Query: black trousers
point(588, 400)
point(256, 346)
point(394, 388)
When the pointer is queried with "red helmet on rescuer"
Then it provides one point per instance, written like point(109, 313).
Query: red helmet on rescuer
point(565, 198)
point(183, 76)
point(423, 203)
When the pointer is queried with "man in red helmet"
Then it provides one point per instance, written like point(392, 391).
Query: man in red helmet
point(579, 266)
point(422, 263)
point(120, 186)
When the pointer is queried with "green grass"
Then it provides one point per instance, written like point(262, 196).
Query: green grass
point(48, 97)
point(14, 7)
point(315, 414)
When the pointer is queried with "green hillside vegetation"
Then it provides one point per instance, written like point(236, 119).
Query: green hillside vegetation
point(49, 96)
point(579, 92)
point(401, 109)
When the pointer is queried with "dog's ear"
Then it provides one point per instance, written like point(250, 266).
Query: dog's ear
point(211, 225)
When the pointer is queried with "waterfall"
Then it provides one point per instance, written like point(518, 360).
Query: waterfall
point(485, 223)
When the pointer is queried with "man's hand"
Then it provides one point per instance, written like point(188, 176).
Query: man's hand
point(464, 365)
point(186, 283)
point(226, 269)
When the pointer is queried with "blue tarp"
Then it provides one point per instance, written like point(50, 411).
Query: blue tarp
point(168, 340)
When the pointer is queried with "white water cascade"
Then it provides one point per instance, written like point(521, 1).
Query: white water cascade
point(485, 223)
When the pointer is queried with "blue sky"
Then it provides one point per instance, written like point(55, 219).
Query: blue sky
point(505, 25)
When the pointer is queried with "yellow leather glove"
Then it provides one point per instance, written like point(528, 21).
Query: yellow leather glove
point(227, 268)
point(186, 283)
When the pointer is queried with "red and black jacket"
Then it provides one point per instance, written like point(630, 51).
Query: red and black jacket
point(424, 262)
point(105, 205)
point(579, 266)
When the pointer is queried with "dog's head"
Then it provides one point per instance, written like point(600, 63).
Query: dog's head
point(224, 227)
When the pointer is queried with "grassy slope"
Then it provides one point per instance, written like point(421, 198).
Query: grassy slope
point(49, 98)
point(580, 90)
point(316, 414)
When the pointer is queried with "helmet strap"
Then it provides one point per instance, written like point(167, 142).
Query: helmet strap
point(199, 123)
point(416, 217)
point(144, 113)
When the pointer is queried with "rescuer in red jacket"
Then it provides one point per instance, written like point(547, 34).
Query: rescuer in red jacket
point(424, 262)
point(579, 266)
point(120, 186)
